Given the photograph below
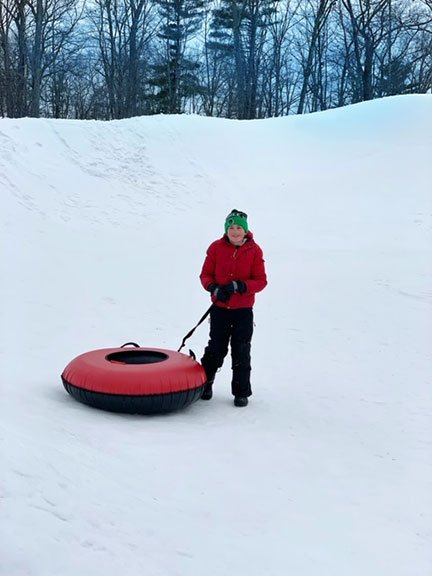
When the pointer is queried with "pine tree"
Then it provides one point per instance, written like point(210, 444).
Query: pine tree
point(239, 30)
point(175, 75)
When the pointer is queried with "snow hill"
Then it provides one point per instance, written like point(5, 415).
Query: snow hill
point(328, 471)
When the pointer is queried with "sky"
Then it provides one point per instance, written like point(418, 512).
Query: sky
point(104, 229)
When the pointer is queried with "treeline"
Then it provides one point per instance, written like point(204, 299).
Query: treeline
point(105, 59)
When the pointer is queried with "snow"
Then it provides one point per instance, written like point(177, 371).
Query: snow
point(104, 228)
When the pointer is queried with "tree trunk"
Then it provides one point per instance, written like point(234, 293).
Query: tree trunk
point(322, 14)
point(36, 60)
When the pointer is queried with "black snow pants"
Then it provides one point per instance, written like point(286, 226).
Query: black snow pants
point(235, 325)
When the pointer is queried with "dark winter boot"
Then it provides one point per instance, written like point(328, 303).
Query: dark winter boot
point(241, 401)
point(208, 390)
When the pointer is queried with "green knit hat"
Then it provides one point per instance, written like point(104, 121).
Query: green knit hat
point(236, 218)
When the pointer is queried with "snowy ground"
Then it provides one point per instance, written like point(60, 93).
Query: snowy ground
point(104, 228)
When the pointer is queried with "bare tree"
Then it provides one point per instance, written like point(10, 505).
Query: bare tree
point(13, 42)
point(124, 29)
point(51, 26)
point(7, 67)
point(277, 67)
point(215, 70)
point(319, 19)
point(368, 32)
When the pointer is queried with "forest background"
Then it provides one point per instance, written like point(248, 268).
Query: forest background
point(245, 59)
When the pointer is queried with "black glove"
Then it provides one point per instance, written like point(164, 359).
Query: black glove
point(241, 286)
point(222, 294)
point(230, 288)
point(235, 286)
point(218, 292)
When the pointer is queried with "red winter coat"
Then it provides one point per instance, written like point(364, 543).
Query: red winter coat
point(225, 262)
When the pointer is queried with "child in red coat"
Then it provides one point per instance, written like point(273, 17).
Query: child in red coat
point(233, 272)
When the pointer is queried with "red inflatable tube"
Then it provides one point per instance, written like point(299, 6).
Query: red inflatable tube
point(141, 380)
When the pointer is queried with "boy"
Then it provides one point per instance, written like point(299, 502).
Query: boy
point(233, 272)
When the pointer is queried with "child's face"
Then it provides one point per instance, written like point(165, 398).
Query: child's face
point(236, 234)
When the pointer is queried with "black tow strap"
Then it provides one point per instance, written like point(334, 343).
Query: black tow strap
point(189, 334)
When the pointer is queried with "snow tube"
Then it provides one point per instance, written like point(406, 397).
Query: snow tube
point(135, 381)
